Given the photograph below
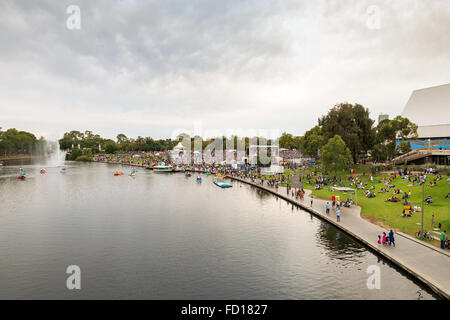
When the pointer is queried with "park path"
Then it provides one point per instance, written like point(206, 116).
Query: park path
point(422, 261)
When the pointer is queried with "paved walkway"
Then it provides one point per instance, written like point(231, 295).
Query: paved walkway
point(423, 262)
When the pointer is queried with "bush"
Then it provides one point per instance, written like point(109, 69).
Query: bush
point(84, 158)
point(74, 154)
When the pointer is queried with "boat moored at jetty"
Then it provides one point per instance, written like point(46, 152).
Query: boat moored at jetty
point(162, 167)
point(222, 184)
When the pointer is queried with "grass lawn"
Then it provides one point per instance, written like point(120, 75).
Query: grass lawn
point(389, 213)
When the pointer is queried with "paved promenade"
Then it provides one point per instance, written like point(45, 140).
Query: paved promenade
point(423, 261)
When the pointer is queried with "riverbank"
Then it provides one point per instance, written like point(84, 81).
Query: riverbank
point(425, 263)
point(381, 187)
point(18, 157)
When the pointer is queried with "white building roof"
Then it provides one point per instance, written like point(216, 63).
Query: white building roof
point(429, 108)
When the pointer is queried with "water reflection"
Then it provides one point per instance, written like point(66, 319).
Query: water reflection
point(337, 244)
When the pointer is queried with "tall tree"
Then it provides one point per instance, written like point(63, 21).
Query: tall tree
point(388, 132)
point(121, 138)
point(353, 124)
point(312, 141)
point(336, 155)
point(288, 141)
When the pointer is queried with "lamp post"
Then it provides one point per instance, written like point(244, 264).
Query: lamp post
point(423, 197)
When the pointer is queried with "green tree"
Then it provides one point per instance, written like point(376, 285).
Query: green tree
point(121, 138)
point(288, 141)
point(75, 153)
point(312, 141)
point(336, 155)
point(19, 142)
point(353, 124)
point(388, 132)
point(111, 147)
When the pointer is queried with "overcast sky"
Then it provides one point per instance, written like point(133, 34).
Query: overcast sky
point(151, 68)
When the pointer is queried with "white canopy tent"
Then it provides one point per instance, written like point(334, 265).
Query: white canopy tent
point(344, 189)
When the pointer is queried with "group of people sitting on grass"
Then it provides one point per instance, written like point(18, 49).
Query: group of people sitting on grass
point(383, 190)
point(369, 194)
point(393, 199)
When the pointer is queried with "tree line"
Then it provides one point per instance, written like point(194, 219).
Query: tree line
point(88, 143)
point(15, 142)
point(345, 135)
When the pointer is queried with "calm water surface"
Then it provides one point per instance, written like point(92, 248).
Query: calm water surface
point(164, 236)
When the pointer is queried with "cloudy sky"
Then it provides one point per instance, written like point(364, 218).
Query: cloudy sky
point(152, 68)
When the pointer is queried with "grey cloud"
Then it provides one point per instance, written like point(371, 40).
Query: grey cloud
point(197, 59)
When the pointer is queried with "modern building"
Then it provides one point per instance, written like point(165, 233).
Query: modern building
point(382, 117)
point(429, 108)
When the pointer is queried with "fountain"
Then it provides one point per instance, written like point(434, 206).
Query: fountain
point(57, 156)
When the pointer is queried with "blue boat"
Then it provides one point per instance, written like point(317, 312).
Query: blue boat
point(222, 184)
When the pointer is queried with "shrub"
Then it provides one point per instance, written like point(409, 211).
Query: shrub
point(75, 154)
point(84, 158)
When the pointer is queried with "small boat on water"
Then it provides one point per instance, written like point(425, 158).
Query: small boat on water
point(43, 171)
point(22, 174)
point(63, 170)
point(162, 167)
point(118, 173)
point(222, 184)
point(199, 179)
point(187, 173)
point(133, 172)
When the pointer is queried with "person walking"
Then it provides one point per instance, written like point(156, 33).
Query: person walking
point(311, 199)
point(338, 215)
point(443, 236)
point(391, 238)
point(327, 208)
point(432, 221)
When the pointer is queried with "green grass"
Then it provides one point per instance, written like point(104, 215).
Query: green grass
point(389, 213)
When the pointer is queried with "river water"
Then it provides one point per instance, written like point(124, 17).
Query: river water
point(165, 236)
